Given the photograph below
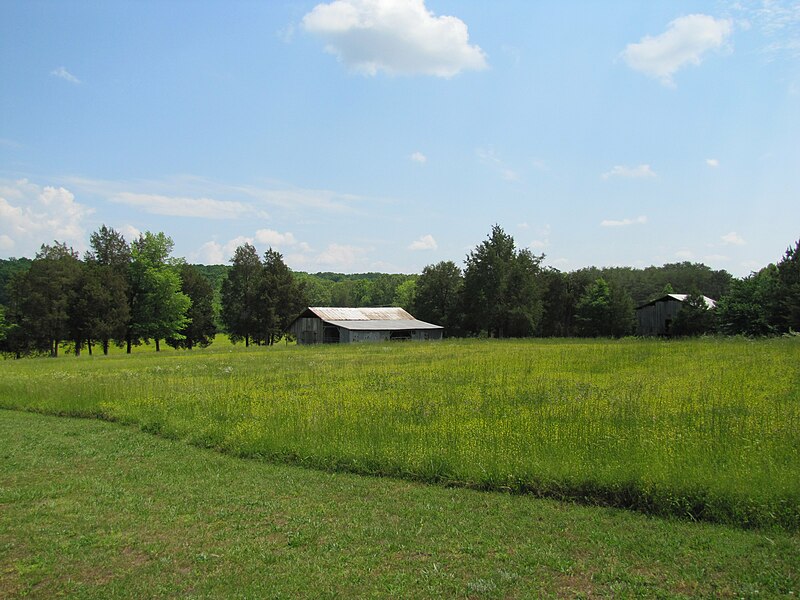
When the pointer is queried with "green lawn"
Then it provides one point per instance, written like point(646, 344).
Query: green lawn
point(90, 509)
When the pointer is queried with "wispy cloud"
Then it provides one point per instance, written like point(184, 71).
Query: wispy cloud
point(62, 73)
point(200, 196)
point(399, 37)
point(426, 242)
point(640, 172)
point(712, 162)
point(624, 222)
point(733, 239)
point(777, 20)
point(178, 206)
point(685, 42)
point(488, 157)
point(419, 157)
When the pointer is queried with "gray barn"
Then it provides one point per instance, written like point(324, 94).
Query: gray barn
point(656, 317)
point(331, 325)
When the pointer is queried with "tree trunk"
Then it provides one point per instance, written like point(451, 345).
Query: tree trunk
point(89, 346)
point(129, 343)
point(54, 349)
point(246, 341)
point(77, 347)
point(158, 345)
point(105, 346)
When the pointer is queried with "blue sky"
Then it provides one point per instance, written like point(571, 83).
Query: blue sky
point(386, 135)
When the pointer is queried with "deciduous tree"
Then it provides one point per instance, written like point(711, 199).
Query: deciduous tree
point(199, 329)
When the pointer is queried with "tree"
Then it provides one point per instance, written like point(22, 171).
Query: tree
point(694, 318)
point(789, 290)
point(45, 293)
point(593, 312)
point(750, 306)
point(157, 306)
point(282, 299)
point(438, 296)
point(241, 295)
point(109, 248)
point(199, 329)
point(316, 290)
point(502, 294)
point(3, 326)
point(108, 267)
point(405, 293)
point(604, 311)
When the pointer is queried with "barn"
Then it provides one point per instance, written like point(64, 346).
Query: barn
point(656, 317)
point(331, 325)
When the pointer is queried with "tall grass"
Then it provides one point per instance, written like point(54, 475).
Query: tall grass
point(708, 429)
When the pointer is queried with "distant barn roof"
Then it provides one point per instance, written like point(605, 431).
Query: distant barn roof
point(710, 303)
point(387, 313)
point(388, 318)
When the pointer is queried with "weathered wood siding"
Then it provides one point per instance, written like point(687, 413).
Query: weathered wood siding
point(307, 330)
point(657, 318)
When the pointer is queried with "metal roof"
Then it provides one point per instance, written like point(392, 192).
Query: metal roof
point(387, 313)
point(710, 303)
point(383, 324)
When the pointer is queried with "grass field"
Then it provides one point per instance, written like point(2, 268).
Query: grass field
point(96, 510)
point(705, 429)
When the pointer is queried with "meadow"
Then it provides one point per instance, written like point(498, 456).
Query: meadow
point(706, 429)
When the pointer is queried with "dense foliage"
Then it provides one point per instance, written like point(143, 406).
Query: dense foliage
point(127, 294)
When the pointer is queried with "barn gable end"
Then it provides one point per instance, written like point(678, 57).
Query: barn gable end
point(656, 317)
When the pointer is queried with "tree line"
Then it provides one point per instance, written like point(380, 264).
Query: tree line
point(126, 294)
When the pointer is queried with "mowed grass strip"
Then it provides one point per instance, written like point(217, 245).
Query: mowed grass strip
point(96, 510)
point(705, 429)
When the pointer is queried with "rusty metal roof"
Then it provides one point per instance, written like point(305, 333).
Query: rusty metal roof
point(387, 313)
point(384, 325)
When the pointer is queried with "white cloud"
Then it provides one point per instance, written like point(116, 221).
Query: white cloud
point(685, 254)
point(684, 42)
point(544, 239)
point(340, 256)
point(712, 162)
point(31, 215)
point(733, 239)
point(195, 196)
point(400, 37)
point(129, 232)
point(488, 157)
point(640, 172)
point(426, 242)
point(62, 73)
point(624, 222)
point(177, 206)
point(210, 253)
point(214, 253)
point(419, 157)
point(274, 238)
point(540, 165)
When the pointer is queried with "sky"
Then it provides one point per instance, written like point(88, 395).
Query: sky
point(387, 135)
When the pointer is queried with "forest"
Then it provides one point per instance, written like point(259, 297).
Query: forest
point(125, 294)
